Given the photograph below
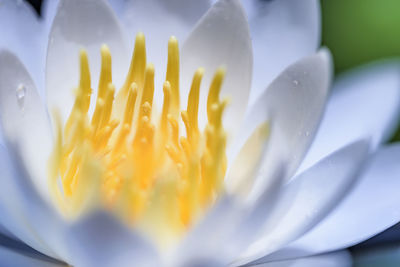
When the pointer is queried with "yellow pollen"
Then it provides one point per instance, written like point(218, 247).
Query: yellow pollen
point(140, 163)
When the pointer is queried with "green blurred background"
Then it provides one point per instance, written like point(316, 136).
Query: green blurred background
point(360, 31)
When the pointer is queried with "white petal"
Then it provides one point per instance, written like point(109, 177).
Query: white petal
point(22, 33)
point(100, 240)
point(81, 24)
point(158, 20)
point(257, 214)
point(296, 100)
point(308, 198)
point(37, 215)
point(243, 170)
point(365, 102)
point(49, 10)
point(283, 32)
point(12, 205)
point(371, 207)
point(24, 119)
point(334, 259)
point(119, 7)
point(225, 240)
point(212, 230)
point(17, 255)
point(186, 12)
point(26, 129)
point(220, 38)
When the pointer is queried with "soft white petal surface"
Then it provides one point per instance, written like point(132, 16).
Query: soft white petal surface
point(24, 118)
point(225, 240)
point(81, 24)
point(22, 33)
point(292, 105)
point(282, 32)
point(307, 199)
point(334, 259)
point(296, 101)
point(119, 6)
point(101, 240)
point(12, 204)
point(49, 10)
point(365, 103)
point(158, 20)
point(14, 257)
point(211, 230)
point(221, 38)
point(39, 216)
point(371, 207)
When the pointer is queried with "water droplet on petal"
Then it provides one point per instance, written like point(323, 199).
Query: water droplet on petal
point(307, 133)
point(295, 82)
point(20, 94)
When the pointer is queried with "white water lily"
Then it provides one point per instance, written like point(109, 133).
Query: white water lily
point(265, 214)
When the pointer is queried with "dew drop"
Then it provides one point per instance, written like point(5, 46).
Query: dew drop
point(20, 94)
point(295, 82)
point(307, 133)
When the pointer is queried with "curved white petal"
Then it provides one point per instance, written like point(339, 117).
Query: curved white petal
point(246, 163)
point(283, 32)
point(335, 259)
point(185, 13)
point(81, 24)
point(119, 6)
point(228, 227)
point(24, 118)
point(296, 101)
point(221, 38)
point(307, 199)
point(49, 10)
point(17, 255)
point(101, 240)
point(257, 213)
point(212, 230)
point(22, 33)
point(37, 214)
point(371, 207)
point(365, 102)
point(12, 204)
point(158, 20)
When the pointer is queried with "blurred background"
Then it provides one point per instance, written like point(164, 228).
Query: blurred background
point(358, 32)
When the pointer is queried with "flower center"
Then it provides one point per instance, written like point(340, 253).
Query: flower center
point(133, 160)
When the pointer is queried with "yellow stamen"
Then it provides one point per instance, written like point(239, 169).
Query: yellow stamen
point(142, 169)
point(105, 74)
point(138, 65)
point(166, 106)
point(173, 74)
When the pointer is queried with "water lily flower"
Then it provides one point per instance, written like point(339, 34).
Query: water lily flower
point(165, 163)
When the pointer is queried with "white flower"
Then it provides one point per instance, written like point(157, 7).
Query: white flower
point(268, 212)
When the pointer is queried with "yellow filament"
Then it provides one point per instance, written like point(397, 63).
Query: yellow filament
point(148, 89)
point(173, 74)
point(142, 169)
point(105, 74)
point(138, 64)
point(166, 106)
